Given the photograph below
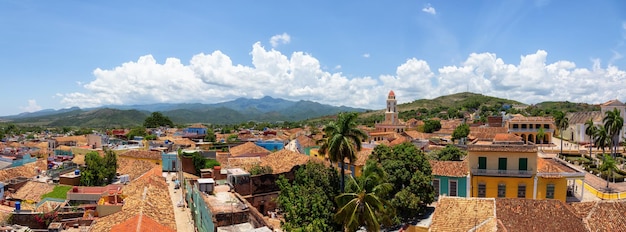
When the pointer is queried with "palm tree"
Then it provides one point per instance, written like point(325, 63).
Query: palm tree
point(342, 141)
point(363, 204)
point(562, 123)
point(613, 123)
point(540, 135)
point(602, 139)
point(608, 166)
point(590, 130)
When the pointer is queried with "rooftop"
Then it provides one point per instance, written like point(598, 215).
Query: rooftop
point(223, 201)
point(155, 155)
point(551, 168)
point(602, 215)
point(449, 168)
point(284, 160)
point(517, 214)
point(140, 223)
point(247, 148)
point(464, 214)
point(532, 119)
point(502, 147)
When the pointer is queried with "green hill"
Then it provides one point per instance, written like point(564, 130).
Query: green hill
point(566, 106)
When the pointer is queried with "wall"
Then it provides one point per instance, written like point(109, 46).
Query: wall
point(260, 184)
point(167, 162)
point(69, 181)
point(512, 162)
point(443, 185)
point(511, 186)
point(560, 188)
point(187, 165)
point(202, 217)
point(265, 202)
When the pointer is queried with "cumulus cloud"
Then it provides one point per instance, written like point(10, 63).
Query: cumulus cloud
point(283, 38)
point(429, 9)
point(366, 55)
point(210, 78)
point(31, 107)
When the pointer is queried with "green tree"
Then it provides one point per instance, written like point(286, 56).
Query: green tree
point(461, 131)
point(156, 119)
point(210, 136)
point(410, 173)
point(211, 163)
point(137, 131)
point(363, 203)
point(99, 171)
point(431, 126)
point(260, 170)
point(608, 166)
point(110, 165)
point(342, 141)
point(308, 201)
point(590, 130)
point(450, 152)
point(541, 133)
point(602, 138)
point(613, 124)
point(562, 123)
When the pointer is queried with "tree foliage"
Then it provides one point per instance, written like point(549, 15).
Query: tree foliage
point(137, 131)
point(99, 171)
point(260, 170)
point(342, 141)
point(461, 131)
point(431, 126)
point(156, 119)
point(450, 152)
point(308, 201)
point(613, 124)
point(410, 173)
point(210, 135)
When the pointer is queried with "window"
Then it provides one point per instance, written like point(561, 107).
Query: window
point(436, 187)
point(501, 190)
point(523, 164)
point(502, 164)
point(482, 162)
point(550, 191)
point(452, 187)
point(482, 190)
point(521, 191)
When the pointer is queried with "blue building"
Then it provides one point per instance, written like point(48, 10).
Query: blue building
point(170, 161)
point(450, 178)
point(271, 145)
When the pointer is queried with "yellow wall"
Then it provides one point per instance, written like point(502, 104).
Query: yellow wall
point(315, 153)
point(512, 162)
point(560, 186)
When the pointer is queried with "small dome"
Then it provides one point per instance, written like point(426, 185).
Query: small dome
point(391, 93)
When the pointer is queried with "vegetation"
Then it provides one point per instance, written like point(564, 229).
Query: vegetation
point(590, 130)
point(210, 136)
point(156, 119)
point(59, 192)
point(613, 124)
point(541, 133)
point(562, 123)
point(461, 131)
point(137, 131)
point(99, 171)
point(260, 170)
point(431, 126)
point(608, 166)
point(342, 141)
point(449, 153)
point(308, 202)
point(363, 203)
point(602, 138)
point(410, 173)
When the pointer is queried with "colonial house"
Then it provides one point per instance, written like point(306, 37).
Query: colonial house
point(450, 178)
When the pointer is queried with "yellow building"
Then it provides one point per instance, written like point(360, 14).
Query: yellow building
point(528, 127)
point(509, 168)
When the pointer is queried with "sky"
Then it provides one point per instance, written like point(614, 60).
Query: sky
point(59, 54)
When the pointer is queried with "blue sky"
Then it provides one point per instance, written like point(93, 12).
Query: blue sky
point(57, 54)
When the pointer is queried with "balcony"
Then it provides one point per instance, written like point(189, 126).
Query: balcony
point(530, 130)
point(504, 173)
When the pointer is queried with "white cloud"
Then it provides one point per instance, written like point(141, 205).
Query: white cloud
point(429, 9)
point(337, 67)
point(283, 38)
point(210, 78)
point(366, 55)
point(31, 107)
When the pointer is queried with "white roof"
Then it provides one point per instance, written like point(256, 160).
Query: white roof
point(206, 181)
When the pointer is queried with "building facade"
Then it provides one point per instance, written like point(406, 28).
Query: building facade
point(392, 123)
point(528, 128)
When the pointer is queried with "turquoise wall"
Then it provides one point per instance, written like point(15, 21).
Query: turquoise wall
point(443, 185)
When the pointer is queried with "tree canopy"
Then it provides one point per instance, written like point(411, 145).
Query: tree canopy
point(308, 201)
point(431, 126)
point(156, 119)
point(450, 152)
point(461, 131)
point(98, 170)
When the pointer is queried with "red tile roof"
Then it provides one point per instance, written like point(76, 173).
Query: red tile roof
point(517, 214)
point(155, 155)
point(140, 223)
point(247, 148)
point(463, 214)
point(603, 215)
point(449, 168)
point(552, 168)
point(506, 137)
point(284, 160)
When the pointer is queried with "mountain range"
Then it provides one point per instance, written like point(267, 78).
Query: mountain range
point(265, 109)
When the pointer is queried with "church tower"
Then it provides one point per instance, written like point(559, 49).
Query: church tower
point(391, 115)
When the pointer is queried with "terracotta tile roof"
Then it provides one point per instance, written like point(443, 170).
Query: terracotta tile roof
point(284, 160)
point(155, 155)
point(532, 119)
point(506, 137)
point(582, 209)
point(449, 168)
point(134, 167)
point(502, 147)
point(33, 190)
point(79, 139)
point(604, 215)
point(522, 215)
point(582, 117)
point(463, 214)
point(486, 133)
point(418, 135)
point(140, 223)
point(247, 148)
point(157, 204)
point(27, 170)
point(362, 156)
point(613, 102)
point(305, 141)
point(243, 162)
point(553, 168)
point(197, 125)
point(398, 140)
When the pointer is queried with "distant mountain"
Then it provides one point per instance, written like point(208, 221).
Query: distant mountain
point(266, 109)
